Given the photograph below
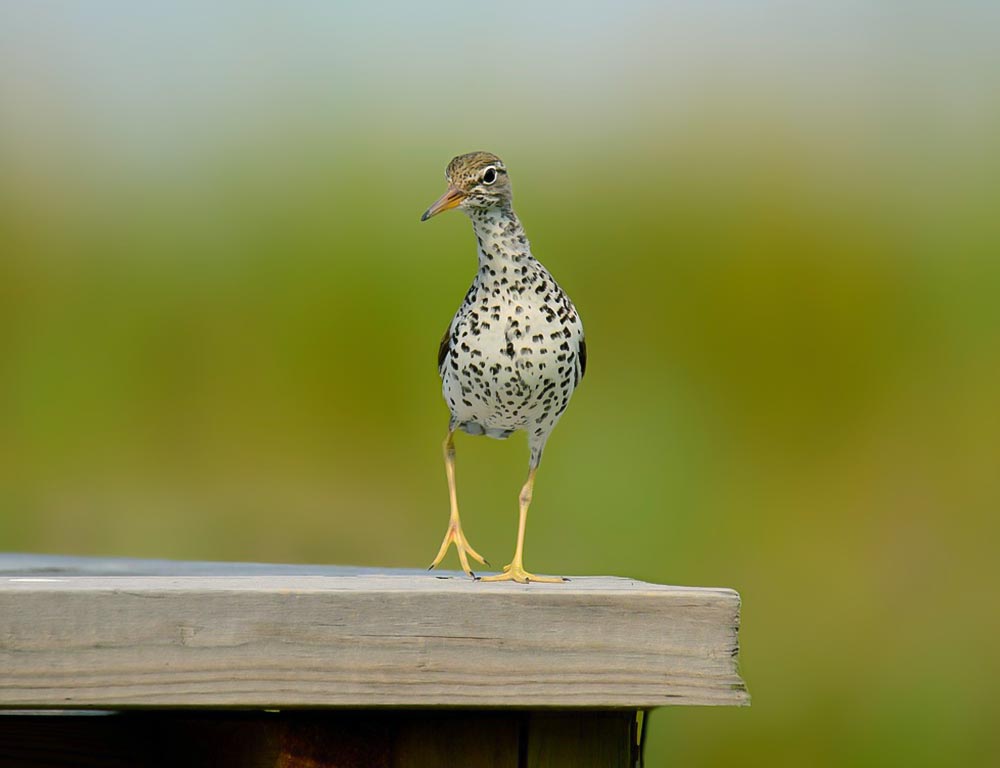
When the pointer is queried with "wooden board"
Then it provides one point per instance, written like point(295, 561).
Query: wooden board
point(257, 636)
point(327, 739)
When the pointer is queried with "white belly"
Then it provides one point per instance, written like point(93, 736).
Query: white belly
point(516, 373)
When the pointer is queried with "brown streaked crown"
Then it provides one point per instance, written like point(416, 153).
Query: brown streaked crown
point(477, 182)
point(469, 173)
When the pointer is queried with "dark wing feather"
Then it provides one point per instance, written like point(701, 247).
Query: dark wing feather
point(444, 348)
point(583, 358)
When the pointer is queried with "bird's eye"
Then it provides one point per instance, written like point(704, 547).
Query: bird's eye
point(489, 175)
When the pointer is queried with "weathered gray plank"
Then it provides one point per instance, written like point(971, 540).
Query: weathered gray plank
point(32, 564)
point(353, 638)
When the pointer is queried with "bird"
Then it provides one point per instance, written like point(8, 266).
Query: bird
point(513, 353)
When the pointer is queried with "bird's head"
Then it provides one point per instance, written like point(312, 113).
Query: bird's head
point(475, 181)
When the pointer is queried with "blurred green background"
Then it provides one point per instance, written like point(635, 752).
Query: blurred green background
point(219, 315)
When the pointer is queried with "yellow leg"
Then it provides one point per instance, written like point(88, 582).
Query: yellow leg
point(515, 571)
point(454, 533)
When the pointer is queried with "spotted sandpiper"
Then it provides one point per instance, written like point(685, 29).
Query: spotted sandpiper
point(514, 351)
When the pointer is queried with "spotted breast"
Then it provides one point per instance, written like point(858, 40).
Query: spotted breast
point(515, 350)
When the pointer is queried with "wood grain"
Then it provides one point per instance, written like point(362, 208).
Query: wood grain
point(259, 637)
point(566, 740)
point(470, 739)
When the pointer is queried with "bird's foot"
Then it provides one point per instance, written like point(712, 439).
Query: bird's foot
point(515, 572)
point(462, 546)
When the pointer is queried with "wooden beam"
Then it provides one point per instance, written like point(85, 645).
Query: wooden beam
point(322, 739)
point(257, 636)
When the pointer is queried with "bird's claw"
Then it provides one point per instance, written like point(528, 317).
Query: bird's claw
point(462, 546)
point(515, 572)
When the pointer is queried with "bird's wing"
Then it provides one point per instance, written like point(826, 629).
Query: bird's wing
point(444, 348)
point(583, 358)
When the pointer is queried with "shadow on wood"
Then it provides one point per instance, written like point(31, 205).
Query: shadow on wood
point(330, 739)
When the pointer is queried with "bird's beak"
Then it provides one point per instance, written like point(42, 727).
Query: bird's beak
point(450, 199)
